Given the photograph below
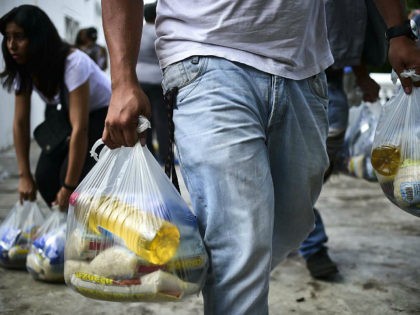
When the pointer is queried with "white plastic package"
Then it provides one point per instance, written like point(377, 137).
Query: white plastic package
point(130, 235)
point(18, 231)
point(354, 158)
point(396, 150)
point(45, 261)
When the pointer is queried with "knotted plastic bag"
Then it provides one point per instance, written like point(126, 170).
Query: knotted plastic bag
point(131, 236)
point(18, 231)
point(396, 150)
point(354, 158)
point(45, 261)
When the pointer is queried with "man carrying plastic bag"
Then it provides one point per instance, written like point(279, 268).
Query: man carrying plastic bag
point(131, 237)
point(250, 140)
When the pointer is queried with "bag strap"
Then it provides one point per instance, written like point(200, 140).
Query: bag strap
point(170, 99)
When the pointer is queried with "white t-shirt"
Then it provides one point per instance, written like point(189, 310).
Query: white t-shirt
point(282, 37)
point(78, 69)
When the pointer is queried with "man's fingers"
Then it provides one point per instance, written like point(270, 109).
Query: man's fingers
point(143, 138)
point(130, 137)
point(32, 196)
point(406, 84)
point(25, 196)
point(106, 138)
point(115, 137)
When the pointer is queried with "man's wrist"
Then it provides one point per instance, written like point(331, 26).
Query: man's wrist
point(69, 187)
point(407, 29)
point(121, 80)
point(24, 174)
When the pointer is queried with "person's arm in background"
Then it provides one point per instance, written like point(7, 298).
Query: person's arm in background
point(403, 53)
point(123, 23)
point(78, 145)
point(370, 88)
point(21, 138)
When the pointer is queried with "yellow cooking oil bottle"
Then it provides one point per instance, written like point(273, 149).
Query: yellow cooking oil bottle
point(386, 159)
point(152, 238)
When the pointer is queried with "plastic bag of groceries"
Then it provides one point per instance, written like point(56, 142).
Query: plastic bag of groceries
point(18, 231)
point(45, 260)
point(130, 235)
point(354, 158)
point(396, 150)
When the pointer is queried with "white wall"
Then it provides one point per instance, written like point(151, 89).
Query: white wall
point(85, 13)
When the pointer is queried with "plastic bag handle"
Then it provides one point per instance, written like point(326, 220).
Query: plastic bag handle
point(144, 124)
point(408, 73)
point(95, 146)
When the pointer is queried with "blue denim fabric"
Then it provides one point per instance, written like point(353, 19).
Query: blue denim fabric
point(251, 147)
point(315, 240)
point(338, 107)
point(338, 113)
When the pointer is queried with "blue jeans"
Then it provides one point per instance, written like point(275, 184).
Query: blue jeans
point(338, 113)
point(251, 148)
point(316, 239)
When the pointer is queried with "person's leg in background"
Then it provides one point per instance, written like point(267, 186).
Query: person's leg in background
point(47, 173)
point(159, 122)
point(313, 249)
point(96, 128)
point(149, 139)
point(315, 252)
point(49, 167)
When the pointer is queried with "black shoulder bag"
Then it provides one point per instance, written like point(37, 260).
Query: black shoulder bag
point(54, 132)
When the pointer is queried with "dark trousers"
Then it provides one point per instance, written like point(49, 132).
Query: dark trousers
point(52, 167)
point(159, 121)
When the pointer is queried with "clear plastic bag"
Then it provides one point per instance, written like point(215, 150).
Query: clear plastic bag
point(17, 232)
point(396, 150)
point(354, 158)
point(131, 236)
point(45, 260)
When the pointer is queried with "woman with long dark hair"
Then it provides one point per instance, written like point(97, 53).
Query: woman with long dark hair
point(37, 59)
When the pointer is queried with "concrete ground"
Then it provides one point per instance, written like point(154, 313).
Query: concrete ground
point(375, 244)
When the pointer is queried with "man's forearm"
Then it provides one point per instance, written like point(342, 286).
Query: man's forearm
point(122, 23)
point(392, 11)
